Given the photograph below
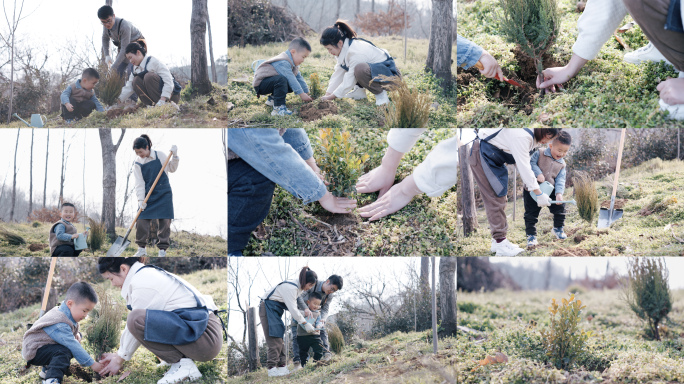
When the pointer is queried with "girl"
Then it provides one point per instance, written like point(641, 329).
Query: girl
point(492, 149)
point(358, 62)
point(283, 296)
point(160, 204)
point(160, 305)
point(150, 79)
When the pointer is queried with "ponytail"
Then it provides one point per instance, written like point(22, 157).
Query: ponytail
point(306, 276)
point(142, 142)
point(338, 32)
point(541, 133)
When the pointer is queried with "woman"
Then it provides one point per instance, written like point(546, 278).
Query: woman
point(168, 316)
point(492, 150)
point(160, 204)
point(283, 296)
point(150, 79)
point(358, 62)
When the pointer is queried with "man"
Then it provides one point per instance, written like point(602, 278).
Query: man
point(327, 291)
point(121, 33)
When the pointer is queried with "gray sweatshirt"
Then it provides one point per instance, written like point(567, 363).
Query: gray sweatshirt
point(122, 34)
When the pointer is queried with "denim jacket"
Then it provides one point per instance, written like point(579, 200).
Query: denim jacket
point(60, 231)
point(279, 158)
point(62, 335)
point(284, 68)
point(560, 179)
point(467, 52)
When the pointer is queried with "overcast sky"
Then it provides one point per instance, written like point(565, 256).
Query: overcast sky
point(199, 185)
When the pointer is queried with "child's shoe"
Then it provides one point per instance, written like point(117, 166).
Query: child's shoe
point(559, 233)
point(297, 366)
point(69, 121)
point(141, 252)
point(269, 101)
point(162, 253)
point(41, 374)
point(51, 381)
point(327, 356)
point(281, 110)
point(531, 241)
point(183, 370)
point(381, 98)
point(357, 93)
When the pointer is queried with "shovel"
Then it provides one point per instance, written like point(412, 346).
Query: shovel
point(48, 284)
point(479, 66)
point(609, 216)
point(122, 243)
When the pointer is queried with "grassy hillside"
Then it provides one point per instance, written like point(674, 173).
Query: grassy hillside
point(396, 358)
point(656, 183)
point(618, 351)
point(183, 243)
point(142, 366)
point(351, 113)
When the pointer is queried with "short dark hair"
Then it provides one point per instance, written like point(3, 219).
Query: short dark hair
point(104, 12)
point(68, 205)
point(90, 73)
point(113, 264)
point(336, 281)
point(135, 47)
point(300, 43)
point(81, 291)
point(541, 133)
point(315, 295)
point(564, 138)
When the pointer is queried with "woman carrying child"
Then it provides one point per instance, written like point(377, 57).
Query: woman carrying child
point(150, 79)
point(359, 63)
point(271, 308)
point(160, 204)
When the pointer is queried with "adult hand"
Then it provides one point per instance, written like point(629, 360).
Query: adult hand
point(328, 96)
point(382, 177)
point(541, 178)
point(161, 102)
point(311, 162)
point(174, 150)
point(307, 313)
point(395, 199)
point(543, 200)
point(305, 97)
point(69, 107)
point(108, 60)
point(142, 205)
point(559, 75)
point(672, 91)
point(559, 197)
point(491, 66)
point(309, 328)
point(337, 204)
point(112, 364)
point(97, 367)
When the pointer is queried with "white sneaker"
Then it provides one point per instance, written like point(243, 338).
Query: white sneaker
point(646, 53)
point(357, 93)
point(51, 381)
point(41, 374)
point(297, 366)
point(141, 252)
point(283, 371)
point(183, 370)
point(676, 111)
point(162, 253)
point(269, 101)
point(506, 248)
point(381, 98)
point(274, 372)
point(327, 356)
point(163, 363)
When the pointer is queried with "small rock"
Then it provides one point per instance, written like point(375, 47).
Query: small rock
point(224, 97)
point(435, 105)
point(230, 106)
point(581, 5)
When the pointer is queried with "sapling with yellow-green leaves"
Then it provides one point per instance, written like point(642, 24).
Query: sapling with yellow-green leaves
point(563, 340)
point(340, 161)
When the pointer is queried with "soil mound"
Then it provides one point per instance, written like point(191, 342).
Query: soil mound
point(315, 111)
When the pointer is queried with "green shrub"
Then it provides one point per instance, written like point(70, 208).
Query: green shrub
point(335, 338)
point(12, 238)
point(188, 92)
point(563, 340)
point(109, 87)
point(409, 108)
point(647, 291)
point(35, 224)
point(316, 89)
point(96, 235)
point(466, 307)
point(104, 327)
point(340, 161)
point(586, 196)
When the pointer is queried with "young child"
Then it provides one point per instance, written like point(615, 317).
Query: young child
point(78, 100)
point(280, 75)
point(312, 340)
point(63, 233)
point(54, 339)
point(469, 53)
point(548, 166)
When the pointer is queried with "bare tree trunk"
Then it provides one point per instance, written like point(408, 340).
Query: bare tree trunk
point(47, 153)
point(547, 275)
point(211, 50)
point(467, 193)
point(61, 180)
point(373, 6)
point(320, 18)
point(11, 94)
point(199, 76)
point(439, 49)
point(337, 12)
point(126, 195)
point(434, 309)
point(31, 182)
point(424, 271)
point(14, 180)
point(678, 142)
point(109, 179)
point(447, 294)
point(358, 7)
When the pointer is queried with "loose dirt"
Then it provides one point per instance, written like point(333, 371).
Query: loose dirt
point(81, 373)
point(316, 110)
point(619, 204)
point(571, 252)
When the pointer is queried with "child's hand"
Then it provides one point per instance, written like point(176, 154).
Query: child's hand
point(491, 66)
point(78, 337)
point(559, 197)
point(69, 107)
point(74, 236)
point(305, 97)
point(541, 178)
point(97, 367)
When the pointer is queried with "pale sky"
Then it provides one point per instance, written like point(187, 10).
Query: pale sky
point(199, 185)
point(165, 25)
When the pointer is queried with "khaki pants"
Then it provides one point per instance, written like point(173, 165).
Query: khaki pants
point(142, 232)
point(276, 346)
point(362, 73)
point(651, 17)
point(206, 348)
point(495, 206)
point(148, 89)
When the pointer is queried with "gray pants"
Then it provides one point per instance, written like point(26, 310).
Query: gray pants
point(295, 346)
point(142, 232)
point(495, 206)
point(149, 88)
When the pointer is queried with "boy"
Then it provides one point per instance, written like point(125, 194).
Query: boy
point(280, 75)
point(78, 100)
point(63, 233)
point(548, 166)
point(54, 339)
point(313, 340)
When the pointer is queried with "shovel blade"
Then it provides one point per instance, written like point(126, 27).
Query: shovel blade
point(118, 247)
point(608, 217)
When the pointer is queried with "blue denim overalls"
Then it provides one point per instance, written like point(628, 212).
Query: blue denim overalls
point(274, 313)
point(494, 162)
point(160, 203)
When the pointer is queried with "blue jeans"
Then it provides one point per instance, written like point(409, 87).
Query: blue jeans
point(249, 200)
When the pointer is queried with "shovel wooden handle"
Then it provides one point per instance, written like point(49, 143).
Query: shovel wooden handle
point(46, 294)
point(617, 167)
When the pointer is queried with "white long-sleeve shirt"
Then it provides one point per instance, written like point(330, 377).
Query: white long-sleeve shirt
point(438, 172)
point(341, 81)
point(172, 166)
point(155, 66)
point(152, 289)
point(596, 25)
point(287, 294)
point(518, 142)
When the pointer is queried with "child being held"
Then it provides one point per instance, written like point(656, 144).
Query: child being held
point(63, 233)
point(307, 340)
point(79, 100)
point(54, 339)
point(548, 165)
point(280, 75)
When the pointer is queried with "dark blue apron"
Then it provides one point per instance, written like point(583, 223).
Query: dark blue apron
point(494, 162)
point(177, 327)
point(176, 85)
point(160, 203)
point(274, 314)
point(674, 17)
point(387, 67)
